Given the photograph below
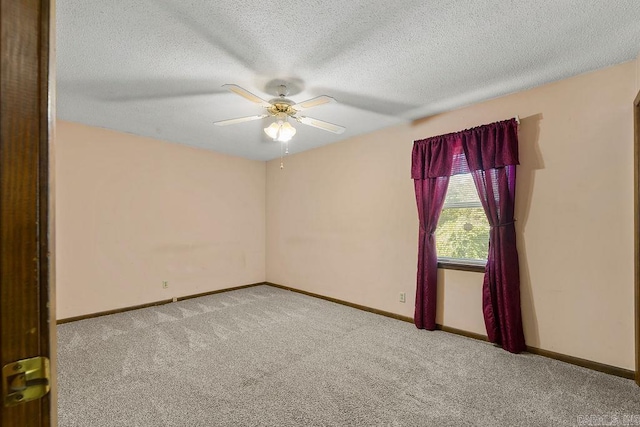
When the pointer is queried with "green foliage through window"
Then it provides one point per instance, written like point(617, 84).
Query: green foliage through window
point(463, 229)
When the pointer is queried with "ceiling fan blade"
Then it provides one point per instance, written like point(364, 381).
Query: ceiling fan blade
point(141, 90)
point(159, 96)
point(314, 102)
point(383, 106)
point(320, 124)
point(239, 120)
point(246, 94)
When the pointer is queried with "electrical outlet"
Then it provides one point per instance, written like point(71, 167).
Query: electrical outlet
point(403, 297)
point(165, 284)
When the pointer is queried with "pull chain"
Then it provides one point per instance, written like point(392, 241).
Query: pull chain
point(284, 146)
point(281, 157)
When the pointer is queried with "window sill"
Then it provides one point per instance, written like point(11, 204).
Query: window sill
point(449, 264)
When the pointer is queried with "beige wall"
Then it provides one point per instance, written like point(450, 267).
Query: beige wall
point(133, 212)
point(342, 222)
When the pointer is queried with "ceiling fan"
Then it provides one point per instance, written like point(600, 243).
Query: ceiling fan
point(282, 108)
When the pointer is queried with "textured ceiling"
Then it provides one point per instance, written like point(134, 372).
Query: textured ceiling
point(156, 67)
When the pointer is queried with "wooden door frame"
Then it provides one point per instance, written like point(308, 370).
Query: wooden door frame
point(636, 231)
point(27, 315)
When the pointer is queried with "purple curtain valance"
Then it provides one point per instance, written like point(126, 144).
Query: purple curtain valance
point(481, 148)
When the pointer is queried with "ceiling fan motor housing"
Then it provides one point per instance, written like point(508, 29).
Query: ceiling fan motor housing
point(281, 105)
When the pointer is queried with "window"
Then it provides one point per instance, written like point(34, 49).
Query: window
point(462, 236)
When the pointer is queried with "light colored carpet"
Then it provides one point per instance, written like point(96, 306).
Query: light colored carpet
point(263, 356)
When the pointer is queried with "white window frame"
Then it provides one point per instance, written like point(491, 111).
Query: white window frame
point(461, 263)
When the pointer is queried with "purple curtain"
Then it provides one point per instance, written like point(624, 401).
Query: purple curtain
point(432, 163)
point(430, 195)
point(490, 154)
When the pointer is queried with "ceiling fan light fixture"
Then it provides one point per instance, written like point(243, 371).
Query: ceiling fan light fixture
point(280, 131)
point(286, 132)
point(272, 130)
